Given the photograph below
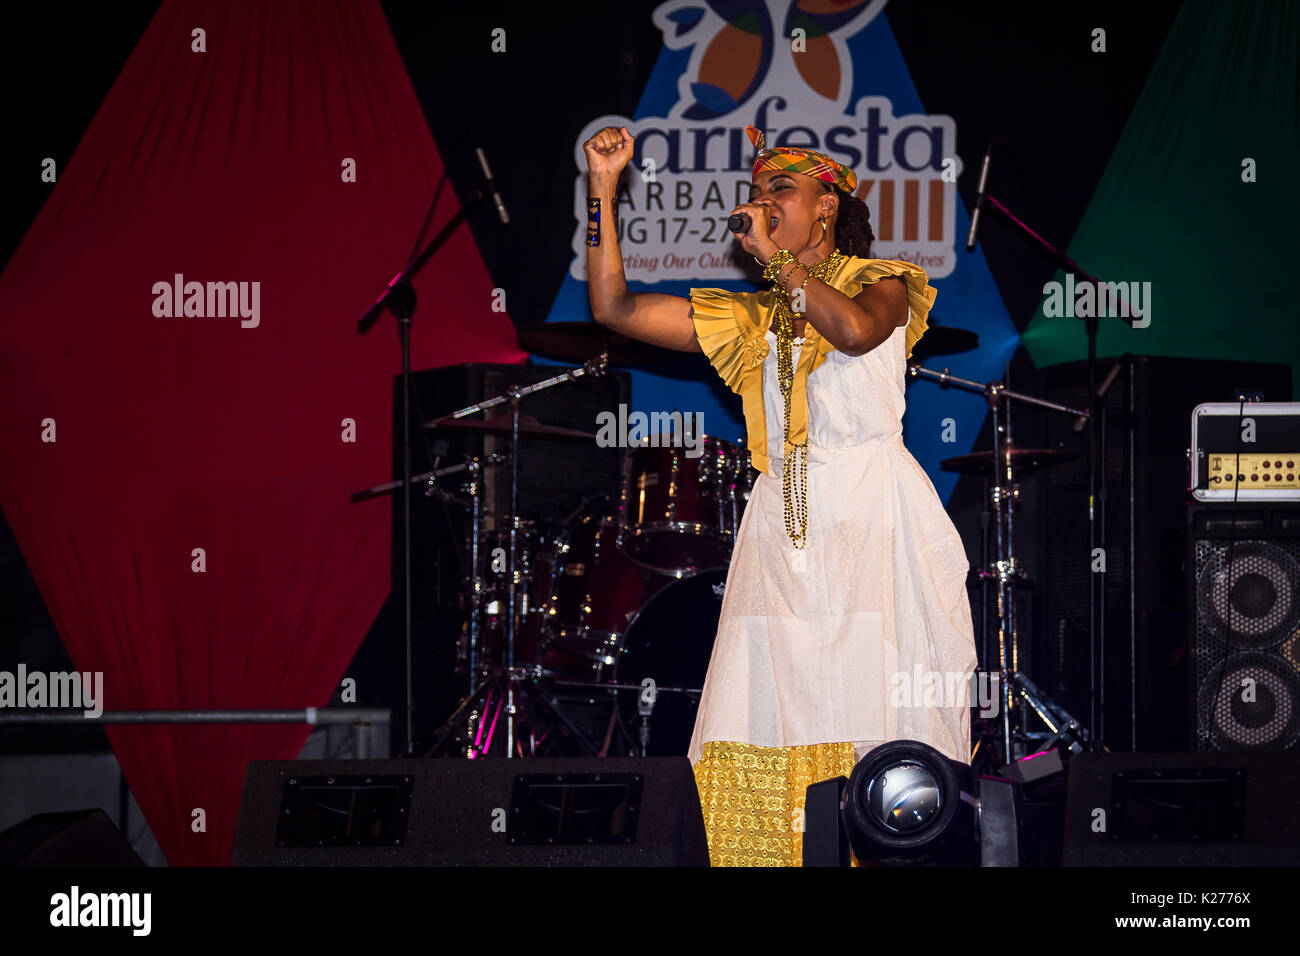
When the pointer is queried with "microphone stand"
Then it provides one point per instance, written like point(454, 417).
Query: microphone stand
point(399, 298)
point(1096, 484)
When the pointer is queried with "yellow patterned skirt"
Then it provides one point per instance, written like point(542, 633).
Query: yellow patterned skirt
point(753, 798)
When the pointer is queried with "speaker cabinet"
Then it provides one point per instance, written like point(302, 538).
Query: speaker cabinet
point(1245, 626)
point(1140, 664)
point(80, 838)
point(490, 812)
point(1207, 809)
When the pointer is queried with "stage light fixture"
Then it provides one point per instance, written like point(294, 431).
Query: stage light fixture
point(908, 804)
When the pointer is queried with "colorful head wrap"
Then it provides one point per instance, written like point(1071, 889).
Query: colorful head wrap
point(805, 161)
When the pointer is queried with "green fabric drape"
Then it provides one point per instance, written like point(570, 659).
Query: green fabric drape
point(1172, 208)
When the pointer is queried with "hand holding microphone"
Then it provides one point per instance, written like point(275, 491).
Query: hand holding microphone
point(749, 223)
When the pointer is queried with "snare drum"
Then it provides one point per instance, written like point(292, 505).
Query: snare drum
point(678, 515)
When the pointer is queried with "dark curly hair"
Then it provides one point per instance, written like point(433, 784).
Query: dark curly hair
point(853, 235)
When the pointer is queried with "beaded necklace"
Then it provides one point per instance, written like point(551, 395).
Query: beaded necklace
point(794, 486)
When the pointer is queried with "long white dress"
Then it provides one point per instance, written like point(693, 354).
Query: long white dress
point(834, 643)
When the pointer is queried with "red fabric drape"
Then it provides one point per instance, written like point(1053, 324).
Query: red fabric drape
point(182, 433)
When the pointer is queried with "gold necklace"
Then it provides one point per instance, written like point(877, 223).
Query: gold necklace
point(794, 487)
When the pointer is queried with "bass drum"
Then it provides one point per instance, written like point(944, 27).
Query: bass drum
point(670, 641)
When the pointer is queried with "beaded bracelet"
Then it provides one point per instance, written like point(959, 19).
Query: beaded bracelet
point(593, 221)
point(779, 258)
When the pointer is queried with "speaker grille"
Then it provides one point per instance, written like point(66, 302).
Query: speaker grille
point(1246, 592)
point(1247, 639)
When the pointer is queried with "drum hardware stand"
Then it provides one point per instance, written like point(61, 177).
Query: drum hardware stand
point(481, 694)
point(474, 466)
point(448, 727)
point(1096, 473)
point(1060, 723)
point(558, 710)
point(430, 478)
point(613, 686)
point(505, 679)
point(1006, 571)
point(645, 708)
point(476, 586)
point(985, 515)
point(469, 654)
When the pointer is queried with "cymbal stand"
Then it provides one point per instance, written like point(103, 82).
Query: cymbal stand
point(1005, 571)
point(476, 586)
point(510, 674)
point(512, 570)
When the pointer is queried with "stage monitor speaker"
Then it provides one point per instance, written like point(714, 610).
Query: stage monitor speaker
point(80, 838)
point(1144, 428)
point(490, 812)
point(1206, 809)
point(1244, 597)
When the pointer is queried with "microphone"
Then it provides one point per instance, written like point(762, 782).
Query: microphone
point(979, 199)
point(489, 181)
point(739, 223)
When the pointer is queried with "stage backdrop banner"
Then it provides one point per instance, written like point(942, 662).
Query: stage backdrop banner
point(1206, 166)
point(187, 401)
point(809, 76)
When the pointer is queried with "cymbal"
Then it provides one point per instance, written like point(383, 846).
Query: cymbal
point(944, 340)
point(1022, 460)
point(580, 341)
point(500, 425)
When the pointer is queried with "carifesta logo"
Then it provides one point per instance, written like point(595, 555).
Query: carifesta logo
point(691, 168)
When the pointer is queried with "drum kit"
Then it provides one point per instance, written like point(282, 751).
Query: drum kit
point(616, 606)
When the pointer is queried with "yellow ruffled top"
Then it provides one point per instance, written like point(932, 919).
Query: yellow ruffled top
point(732, 330)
